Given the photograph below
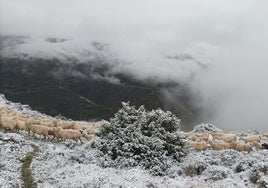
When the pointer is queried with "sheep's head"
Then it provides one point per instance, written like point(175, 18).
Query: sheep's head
point(55, 122)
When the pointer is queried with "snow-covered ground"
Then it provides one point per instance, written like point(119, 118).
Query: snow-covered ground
point(13, 148)
point(66, 164)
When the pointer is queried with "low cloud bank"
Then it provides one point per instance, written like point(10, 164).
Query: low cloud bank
point(216, 48)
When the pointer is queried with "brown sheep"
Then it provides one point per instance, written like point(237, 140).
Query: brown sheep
point(226, 138)
point(241, 147)
point(265, 135)
point(220, 145)
point(199, 146)
point(69, 134)
point(252, 138)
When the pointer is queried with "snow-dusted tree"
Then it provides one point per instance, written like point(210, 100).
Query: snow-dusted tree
point(136, 137)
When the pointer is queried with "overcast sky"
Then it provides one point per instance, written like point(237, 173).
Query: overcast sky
point(231, 35)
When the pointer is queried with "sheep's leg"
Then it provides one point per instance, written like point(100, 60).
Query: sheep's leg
point(80, 141)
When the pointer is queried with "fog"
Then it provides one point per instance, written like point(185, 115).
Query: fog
point(230, 37)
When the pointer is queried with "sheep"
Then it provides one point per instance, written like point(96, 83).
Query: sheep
point(264, 146)
point(201, 136)
point(252, 138)
point(199, 146)
point(39, 129)
point(3, 111)
point(64, 124)
point(241, 147)
point(8, 122)
point(69, 134)
point(219, 145)
point(22, 118)
point(96, 125)
point(12, 113)
point(265, 135)
point(20, 115)
point(88, 136)
point(53, 132)
point(77, 126)
point(225, 138)
point(91, 130)
point(257, 145)
point(33, 121)
point(47, 123)
point(216, 134)
point(20, 124)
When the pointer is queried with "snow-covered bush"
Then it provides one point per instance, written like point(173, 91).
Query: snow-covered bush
point(216, 173)
point(242, 166)
point(259, 174)
point(194, 169)
point(203, 128)
point(136, 137)
point(263, 182)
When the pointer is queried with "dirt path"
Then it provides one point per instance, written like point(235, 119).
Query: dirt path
point(26, 173)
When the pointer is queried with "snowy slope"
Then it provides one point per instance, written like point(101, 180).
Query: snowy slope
point(65, 164)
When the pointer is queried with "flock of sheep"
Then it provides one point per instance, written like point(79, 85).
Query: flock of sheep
point(60, 129)
point(221, 141)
